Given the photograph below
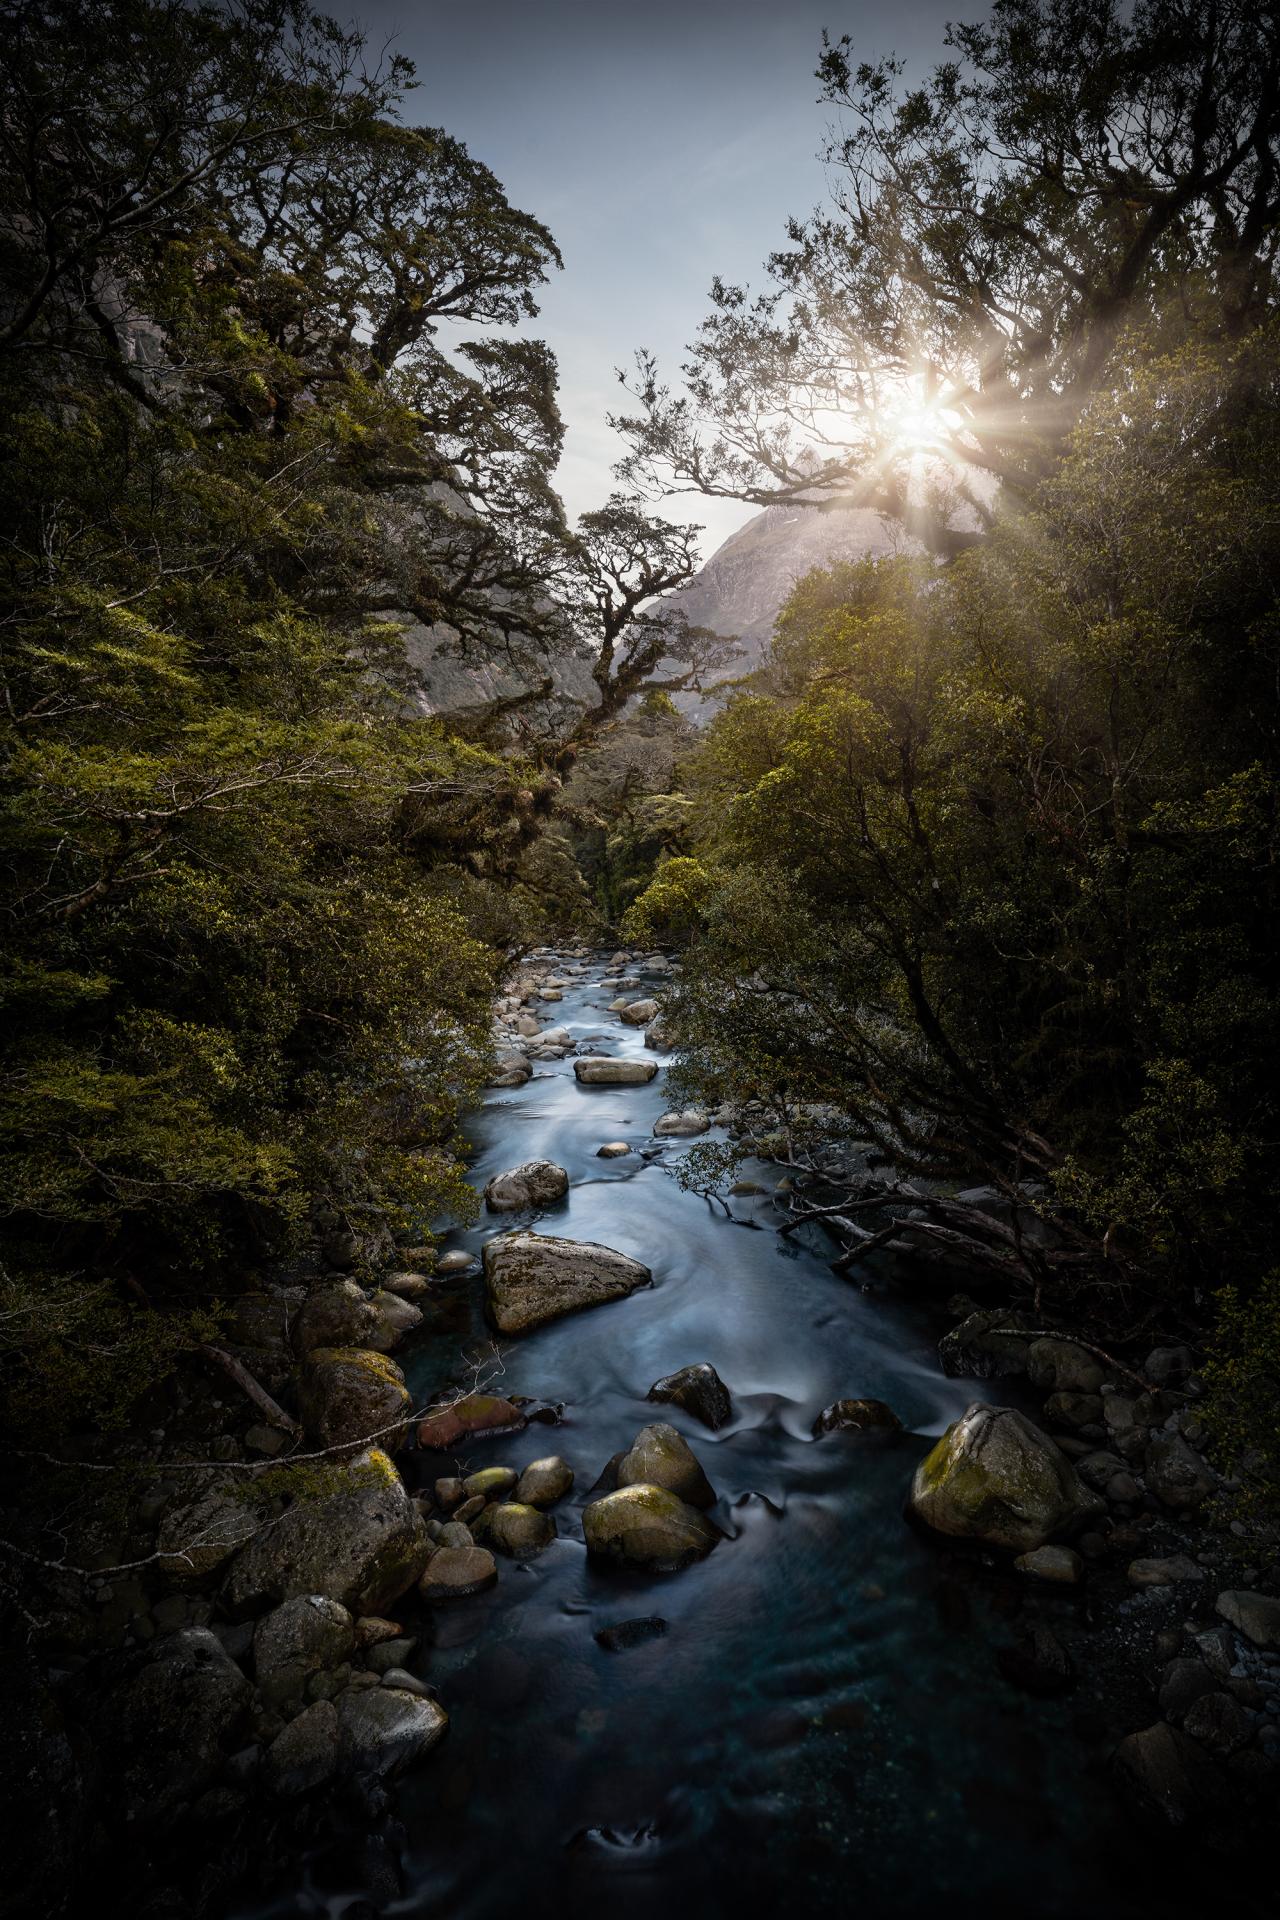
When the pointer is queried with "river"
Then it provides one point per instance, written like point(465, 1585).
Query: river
point(823, 1729)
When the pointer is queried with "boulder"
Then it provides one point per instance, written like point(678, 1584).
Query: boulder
point(165, 1720)
point(457, 1260)
point(612, 1150)
point(452, 1573)
point(1179, 1477)
point(408, 1286)
point(396, 1315)
point(658, 1035)
point(305, 1755)
point(604, 1070)
point(1169, 1774)
point(491, 1483)
point(856, 1416)
point(538, 1183)
point(646, 1526)
point(994, 1476)
point(384, 1730)
point(515, 1529)
point(1052, 1563)
point(339, 1315)
point(470, 1417)
point(199, 1533)
point(1168, 1366)
point(977, 1347)
point(543, 1482)
point(1166, 1572)
point(1255, 1615)
point(510, 1069)
point(358, 1539)
point(1038, 1663)
point(638, 1013)
point(1060, 1366)
point(699, 1390)
point(353, 1397)
point(661, 1457)
point(1218, 1722)
point(1074, 1410)
point(532, 1278)
point(681, 1124)
point(299, 1638)
point(1182, 1683)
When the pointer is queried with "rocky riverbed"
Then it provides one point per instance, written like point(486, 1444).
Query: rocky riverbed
point(636, 1556)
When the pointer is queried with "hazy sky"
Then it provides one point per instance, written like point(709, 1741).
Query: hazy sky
point(662, 142)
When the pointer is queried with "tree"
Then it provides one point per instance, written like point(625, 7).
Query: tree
point(1074, 169)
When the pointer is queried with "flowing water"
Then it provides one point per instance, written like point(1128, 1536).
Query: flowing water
point(822, 1729)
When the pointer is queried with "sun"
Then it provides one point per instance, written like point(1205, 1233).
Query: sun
point(918, 425)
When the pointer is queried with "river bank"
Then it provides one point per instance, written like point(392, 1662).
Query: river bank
point(835, 1700)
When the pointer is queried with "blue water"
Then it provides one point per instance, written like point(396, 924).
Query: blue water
point(822, 1730)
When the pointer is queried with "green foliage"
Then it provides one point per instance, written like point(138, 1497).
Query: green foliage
point(988, 859)
point(1242, 1375)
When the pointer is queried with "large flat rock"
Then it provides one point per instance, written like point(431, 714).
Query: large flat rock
point(531, 1278)
point(607, 1070)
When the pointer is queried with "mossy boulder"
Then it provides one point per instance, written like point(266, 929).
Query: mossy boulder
point(647, 1526)
point(531, 1278)
point(302, 1637)
point(200, 1532)
point(515, 1529)
point(351, 1533)
point(661, 1457)
point(994, 1476)
point(354, 1397)
point(491, 1483)
point(543, 1482)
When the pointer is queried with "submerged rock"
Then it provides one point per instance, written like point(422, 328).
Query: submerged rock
point(631, 1633)
point(606, 1070)
point(994, 1476)
point(661, 1457)
point(646, 1526)
point(538, 1183)
point(354, 1397)
point(856, 1416)
point(532, 1278)
point(469, 1417)
point(359, 1539)
point(699, 1390)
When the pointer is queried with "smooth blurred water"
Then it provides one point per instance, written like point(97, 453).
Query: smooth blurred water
point(823, 1729)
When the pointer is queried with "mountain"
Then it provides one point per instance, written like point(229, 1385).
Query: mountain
point(744, 584)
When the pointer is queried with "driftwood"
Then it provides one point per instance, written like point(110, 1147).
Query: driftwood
point(270, 1409)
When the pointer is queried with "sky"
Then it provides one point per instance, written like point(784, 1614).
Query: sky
point(662, 141)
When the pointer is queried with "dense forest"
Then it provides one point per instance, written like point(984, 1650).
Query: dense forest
point(970, 884)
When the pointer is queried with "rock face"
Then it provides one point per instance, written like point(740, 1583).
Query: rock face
point(647, 1527)
point(468, 1418)
point(856, 1416)
point(602, 1070)
point(661, 1457)
point(538, 1183)
point(360, 1541)
point(166, 1722)
point(532, 1278)
point(384, 1730)
point(994, 1476)
point(353, 1397)
point(699, 1390)
point(305, 1635)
